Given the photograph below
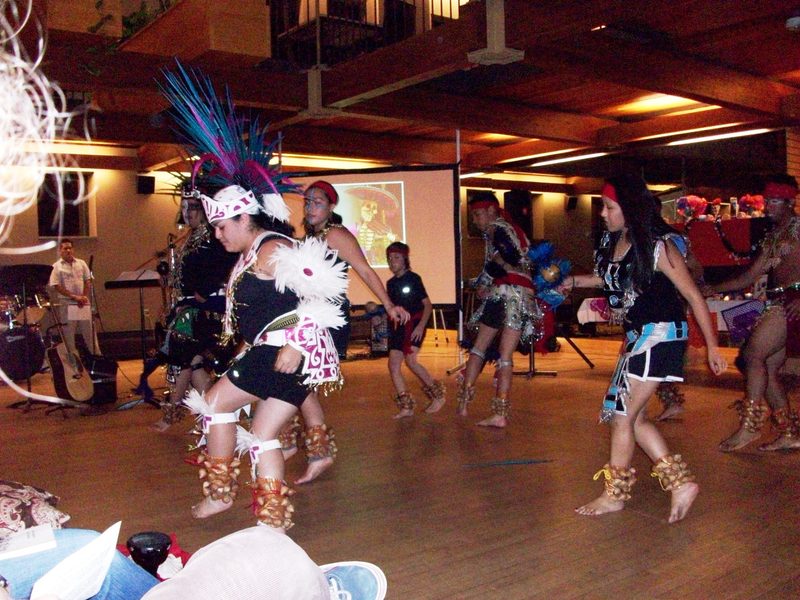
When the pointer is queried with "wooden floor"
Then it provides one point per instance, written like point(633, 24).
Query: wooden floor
point(450, 510)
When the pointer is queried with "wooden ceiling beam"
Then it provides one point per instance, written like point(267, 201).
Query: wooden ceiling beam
point(623, 133)
point(162, 157)
point(484, 114)
point(487, 158)
point(647, 68)
point(385, 148)
point(516, 184)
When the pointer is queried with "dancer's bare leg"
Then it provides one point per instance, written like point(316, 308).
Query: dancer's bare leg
point(399, 382)
point(768, 339)
point(652, 442)
point(509, 339)
point(623, 443)
point(223, 397)
point(672, 399)
point(313, 415)
point(778, 401)
point(474, 362)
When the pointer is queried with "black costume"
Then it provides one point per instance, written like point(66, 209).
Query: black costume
point(407, 291)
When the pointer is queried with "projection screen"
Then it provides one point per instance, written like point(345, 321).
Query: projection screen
point(415, 205)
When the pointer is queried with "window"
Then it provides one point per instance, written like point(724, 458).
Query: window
point(71, 220)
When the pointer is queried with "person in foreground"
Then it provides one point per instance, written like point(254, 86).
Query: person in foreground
point(508, 306)
point(643, 276)
point(777, 329)
point(256, 563)
point(125, 579)
point(259, 563)
point(406, 289)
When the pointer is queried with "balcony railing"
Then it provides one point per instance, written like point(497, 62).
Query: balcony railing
point(316, 32)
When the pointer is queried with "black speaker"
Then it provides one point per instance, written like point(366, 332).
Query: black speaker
point(571, 203)
point(103, 372)
point(145, 184)
point(518, 204)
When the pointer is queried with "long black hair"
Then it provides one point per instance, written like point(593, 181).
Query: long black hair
point(642, 213)
point(264, 221)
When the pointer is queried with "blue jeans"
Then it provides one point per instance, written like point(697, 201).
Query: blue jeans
point(125, 579)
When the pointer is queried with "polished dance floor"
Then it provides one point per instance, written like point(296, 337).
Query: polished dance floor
point(450, 510)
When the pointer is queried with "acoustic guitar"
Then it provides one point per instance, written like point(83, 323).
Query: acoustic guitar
point(71, 380)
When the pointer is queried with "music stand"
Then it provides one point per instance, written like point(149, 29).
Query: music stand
point(24, 280)
point(143, 278)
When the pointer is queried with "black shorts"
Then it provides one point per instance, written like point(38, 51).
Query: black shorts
point(341, 336)
point(254, 373)
point(662, 362)
point(400, 335)
point(494, 313)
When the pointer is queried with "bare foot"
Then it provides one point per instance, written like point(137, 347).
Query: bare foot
point(781, 443)
point(406, 412)
point(208, 507)
point(600, 505)
point(435, 406)
point(161, 426)
point(682, 499)
point(670, 412)
point(288, 452)
point(493, 421)
point(315, 469)
point(738, 440)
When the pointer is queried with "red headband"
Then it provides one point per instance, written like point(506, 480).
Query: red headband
point(609, 192)
point(327, 189)
point(780, 190)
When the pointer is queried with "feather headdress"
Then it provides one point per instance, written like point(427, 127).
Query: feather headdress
point(232, 150)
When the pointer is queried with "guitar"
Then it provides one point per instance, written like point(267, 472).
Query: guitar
point(70, 378)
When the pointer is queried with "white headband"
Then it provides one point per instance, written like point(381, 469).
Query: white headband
point(234, 200)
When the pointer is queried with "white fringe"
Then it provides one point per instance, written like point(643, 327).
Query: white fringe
point(309, 269)
point(326, 314)
point(196, 403)
point(245, 440)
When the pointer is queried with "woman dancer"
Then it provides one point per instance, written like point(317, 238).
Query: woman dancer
point(323, 224)
point(275, 300)
point(644, 276)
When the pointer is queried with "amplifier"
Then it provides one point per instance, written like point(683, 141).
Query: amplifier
point(103, 372)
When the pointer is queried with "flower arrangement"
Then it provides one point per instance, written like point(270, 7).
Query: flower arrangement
point(691, 206)
point(751, 204)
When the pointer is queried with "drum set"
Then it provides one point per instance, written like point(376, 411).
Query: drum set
point(23, 311)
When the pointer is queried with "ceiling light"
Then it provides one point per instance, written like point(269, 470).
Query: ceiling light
point(687, 131)
point(468, 175)
point(538, 155)
point(721, 136)
point(568, 159)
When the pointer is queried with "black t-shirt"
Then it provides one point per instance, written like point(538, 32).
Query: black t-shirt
point(407, 291)
point(205, 269)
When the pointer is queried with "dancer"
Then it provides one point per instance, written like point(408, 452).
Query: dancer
point(508, 308)
point(322, 223)
point(765, 350)
point(197, 282)
point(407, 290)
point(644, 276)
point(276, 301)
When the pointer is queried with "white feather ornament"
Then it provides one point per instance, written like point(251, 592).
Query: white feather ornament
point(196, 403)
point(245, 440)
point(274, 206)
point(326, 314)
point(309, 269)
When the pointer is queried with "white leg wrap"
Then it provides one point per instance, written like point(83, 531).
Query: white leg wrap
point(501, 364)
point(478, 353)
point(247, 441)
point(197, 405)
